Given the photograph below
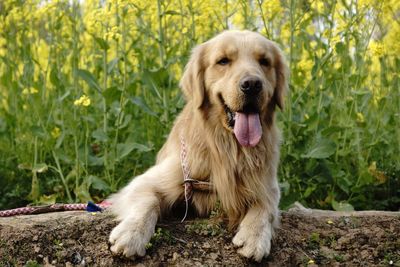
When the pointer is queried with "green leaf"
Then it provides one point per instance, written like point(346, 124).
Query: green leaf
point(35, 189)
point(171, 12)
point(95, 161)
point(40, 168)
point(98, 184)
point(111, 65)
point(63, 156)
point(343, 182)
point(126, 121)
point(54, 77)
point(102, 43)
point(142, 104)
point(82, 193)
point(100, 135)
point(123, 150)
point(48, 199)
point(321, 150)
point(342, 206)
point(61, 98)
point(111, 94)
point(142, 148)
point(309, 190)
point(340, 48)
point(25, 166)
point(89, 78)
point(38, 131)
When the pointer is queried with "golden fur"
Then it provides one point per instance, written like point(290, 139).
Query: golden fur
point(244, 178)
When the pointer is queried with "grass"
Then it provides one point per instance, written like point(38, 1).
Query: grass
point(161, 235)
point(89, 91)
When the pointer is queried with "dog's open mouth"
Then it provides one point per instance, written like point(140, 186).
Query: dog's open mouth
point(246, 125)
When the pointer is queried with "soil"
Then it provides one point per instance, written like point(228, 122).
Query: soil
point(306, 238)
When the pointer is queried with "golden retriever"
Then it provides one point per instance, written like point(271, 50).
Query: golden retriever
point(232, 85)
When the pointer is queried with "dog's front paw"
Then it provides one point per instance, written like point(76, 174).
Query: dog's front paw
point(253, 244)
point(130, 238)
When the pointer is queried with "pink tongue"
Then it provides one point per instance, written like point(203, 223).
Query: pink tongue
point(247, 129)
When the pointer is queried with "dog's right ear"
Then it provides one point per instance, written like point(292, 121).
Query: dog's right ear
point(192, 82)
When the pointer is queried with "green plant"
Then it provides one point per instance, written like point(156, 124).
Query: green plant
point(89, 91)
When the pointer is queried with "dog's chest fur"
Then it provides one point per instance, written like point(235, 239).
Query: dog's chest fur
point(237, 173)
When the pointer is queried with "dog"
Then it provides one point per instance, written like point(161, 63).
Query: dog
point(229, 140)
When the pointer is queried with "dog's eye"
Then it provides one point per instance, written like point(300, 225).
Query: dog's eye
point(223, 61)
point(264, 62)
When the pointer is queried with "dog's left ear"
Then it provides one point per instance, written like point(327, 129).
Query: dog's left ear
point(282, 78)
point(192, 82)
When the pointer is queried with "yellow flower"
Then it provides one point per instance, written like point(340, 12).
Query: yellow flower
point(29, 90)
point(310, 29)
point(3, 42)
point(84, 100)
point(113, 33)
point(375, 100)
point(318, 6)
point(360, 117)
point(272, 8)
point(337, 64)
point(377, 48)
point(305, 64)
point(366, 3)
point(378, 175)
point(313, 44)
point(391, 44)
point(335, 39)
point(56, 132)
point(372, 167)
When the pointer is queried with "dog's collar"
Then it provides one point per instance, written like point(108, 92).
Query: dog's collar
point(189, 183)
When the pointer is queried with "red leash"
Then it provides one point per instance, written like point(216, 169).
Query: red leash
point(51, 208)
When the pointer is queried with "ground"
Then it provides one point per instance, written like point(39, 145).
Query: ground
point(306, 238)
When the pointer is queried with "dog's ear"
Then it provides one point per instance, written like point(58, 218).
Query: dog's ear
point(282, 78)
point(192, 82)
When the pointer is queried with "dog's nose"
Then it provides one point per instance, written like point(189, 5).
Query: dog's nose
point(250, 85)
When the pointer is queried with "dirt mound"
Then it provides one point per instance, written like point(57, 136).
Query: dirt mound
point(306, 237)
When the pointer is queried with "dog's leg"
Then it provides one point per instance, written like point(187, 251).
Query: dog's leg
point(139, 204)
point(257, 228)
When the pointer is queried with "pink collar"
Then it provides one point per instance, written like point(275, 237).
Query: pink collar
point(189, 183)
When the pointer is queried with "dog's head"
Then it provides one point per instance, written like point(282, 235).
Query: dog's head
point(242, 76)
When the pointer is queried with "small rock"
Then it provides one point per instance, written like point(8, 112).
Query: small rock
point(175, 256)
point(206, 245)
point(162, 257)
point(214, 256)
point(365, 254)
point(36, 248)
point(46, 262)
